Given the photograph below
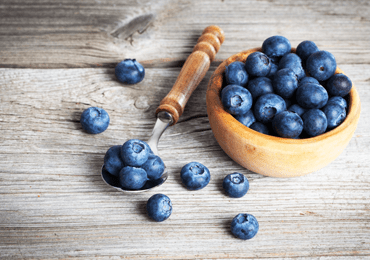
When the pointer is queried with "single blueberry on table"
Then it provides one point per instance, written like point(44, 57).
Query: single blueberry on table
point(132, 178)
point(308, 80)
point(246, 119)
point(338, 100)
point(236, 185)
point(297, 109)
point(112, 160)
point(261, 128)
point(94, 120)
point(236, 99)
point(287, 124)
point(335, 114)
point(135, 152)
point(244, 226)
point(258, 64)
point(314, 122)
point(339, 85)
point(311, 95)
point(267, 106)
point(293, 62)
point(159, 207)
point(305, 49)
point(276, 46)
point(129, 71)
point(154, 167)
point(285, 83)
point(236, 74)
point(321, 65)
point(260, 86)
point(195, 176)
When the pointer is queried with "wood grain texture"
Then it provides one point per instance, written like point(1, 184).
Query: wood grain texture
point(53, 202)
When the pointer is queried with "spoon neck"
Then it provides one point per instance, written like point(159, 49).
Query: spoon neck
point(164, 119)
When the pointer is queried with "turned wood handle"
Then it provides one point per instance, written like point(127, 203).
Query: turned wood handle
point(192, 73)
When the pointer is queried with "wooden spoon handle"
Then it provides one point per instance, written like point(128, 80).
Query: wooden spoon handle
point(192, 73)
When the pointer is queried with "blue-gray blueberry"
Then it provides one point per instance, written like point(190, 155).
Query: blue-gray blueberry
point(94, 120)
point(335, 114)
point(321, 65)
point(314, 122)
point(292, 61)
point(285, 83)
point(159, 207)
point(311, 95)
point(246, 119)
point(339, 85)
point(195, 176)
point(276, 46)
point(236, 99)
point(260, 86)
point(135, 152)
point(112, 160)
point(236, 74)
point(287, 124)
point(258, 64)
point(235, 185)
point(154, 167)
point(132, 178)
point(267, 106)
point(129, 71)
point(244, 226)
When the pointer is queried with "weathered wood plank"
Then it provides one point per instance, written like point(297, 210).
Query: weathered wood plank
point(93, 33)
point(53, 203)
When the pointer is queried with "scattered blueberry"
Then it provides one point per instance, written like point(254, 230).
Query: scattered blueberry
point(314, 122)
point(132, 178)
point(335, 114)
point(154, 167)
point(311, 95)
point(135, 152)
point(260, 86)
point(338, 100)
point(292, 61)
point(159, 207)
point(258, 64)
point(244, 226)
point(112, 160)
point(276, 46)
point(246, 119)
point(321, 65)
point(236, 99)
point(339, 85)
point(305, 49)
point(236, 74)
point(129, 71)
point(287, 124)
point(308, 80)
point(261, 128)
point(285, 83)
point(267, 106)
point(236, 185)
point(195, 176)
point(297, 109)
point(94, 120)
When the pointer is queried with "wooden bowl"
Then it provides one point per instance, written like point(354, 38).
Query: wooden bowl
point(270, 155)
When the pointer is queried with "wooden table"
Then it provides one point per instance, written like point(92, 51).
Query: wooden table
point(57, 58)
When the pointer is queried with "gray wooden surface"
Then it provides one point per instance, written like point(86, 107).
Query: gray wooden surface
point(57, 58)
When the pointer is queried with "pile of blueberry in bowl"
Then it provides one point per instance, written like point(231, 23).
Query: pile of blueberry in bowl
point(282, 111)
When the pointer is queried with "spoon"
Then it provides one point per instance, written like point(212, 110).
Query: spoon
point(172, 106)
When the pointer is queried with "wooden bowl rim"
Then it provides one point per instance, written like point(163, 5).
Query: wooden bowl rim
point(214, 104)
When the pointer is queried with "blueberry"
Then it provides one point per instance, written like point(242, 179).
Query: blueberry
point(236, 185)
point(112, 160)
point(159, 207)
point(94, 120)
point(246, 119)
point(287, 124)
point(314, 122)
point(311, 95)
point(293, 62)
point(273, 70)
point(195, 176)
point(288, 102)
point(236, 74)
point(244, 226)
point(285, 83)
point(129, 71)
point(260, 86)
point(267, 106)
point(339, 85)
point(305, 49)
point(308, 80)
point(335, 114)
point(258, 64)
point(236, 99)
point(321, 65)
point(276, 46)
point(297, 109)
point(135, 152)
point(132, 178)
point(338, 100)
point(261, 128)
point(154, 167)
